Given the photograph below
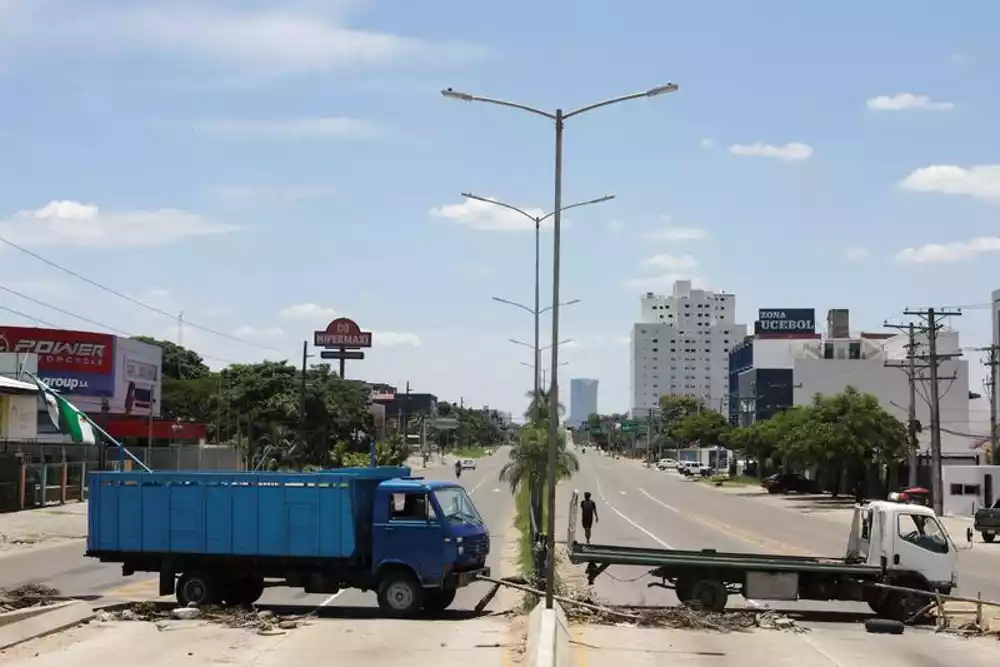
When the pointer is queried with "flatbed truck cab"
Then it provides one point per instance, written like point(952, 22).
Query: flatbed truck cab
point(223, 537)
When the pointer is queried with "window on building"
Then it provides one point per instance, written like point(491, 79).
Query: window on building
point(828, 350)
point(854, 351)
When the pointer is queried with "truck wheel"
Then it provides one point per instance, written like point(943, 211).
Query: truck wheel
point(198, 589)
point(244, 591)
point(883, 626)
point(708, 595)
point(989, 537)
point(437, 600)
point(682, 589)
point(400, 595)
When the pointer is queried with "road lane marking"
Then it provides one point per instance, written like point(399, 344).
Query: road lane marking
point(630, 521)
point(659, 502)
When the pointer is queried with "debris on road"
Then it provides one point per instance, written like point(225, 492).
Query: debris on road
point(679, 617)
point(260, 621)
point(28, 595)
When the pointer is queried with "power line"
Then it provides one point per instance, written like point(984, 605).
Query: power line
point(133, 300)
point(79, 317)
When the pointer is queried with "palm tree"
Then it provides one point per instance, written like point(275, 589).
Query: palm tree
point(528, 464)
point(538, 408)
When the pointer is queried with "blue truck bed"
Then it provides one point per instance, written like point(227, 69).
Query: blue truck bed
point(317, 515)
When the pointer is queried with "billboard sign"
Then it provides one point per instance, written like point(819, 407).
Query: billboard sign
point(343, 332)
point(786, 320)
point(72, 362)
point(138, 378)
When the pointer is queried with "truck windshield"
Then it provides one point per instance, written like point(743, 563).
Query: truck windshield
point(456, 505)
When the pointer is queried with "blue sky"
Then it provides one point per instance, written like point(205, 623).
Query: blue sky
point(262, 165)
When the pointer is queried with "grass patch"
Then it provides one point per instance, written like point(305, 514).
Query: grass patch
point(526, 554)
point(738, 480)
point(470, 452)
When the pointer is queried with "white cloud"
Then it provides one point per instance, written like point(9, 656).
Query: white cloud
point(662, 282)
point(484, 216)
point(669, 234)
point(616, 225)
point(394, 338)
point(670, 262)
point(856, 253)
point(791, 152)
point(295, 128)
point(256, 193)
point(271, 42)
point(308, 311)
point(708, 143)
point(949, 252)
point(73, 223)
point(903, 101)
point(981, 182)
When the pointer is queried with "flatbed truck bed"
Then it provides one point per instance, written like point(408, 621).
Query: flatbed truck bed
point(881, 550)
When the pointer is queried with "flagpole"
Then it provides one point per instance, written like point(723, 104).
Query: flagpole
point(122, 451)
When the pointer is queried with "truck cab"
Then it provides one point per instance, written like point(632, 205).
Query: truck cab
point(428, 540)
point(908, 542)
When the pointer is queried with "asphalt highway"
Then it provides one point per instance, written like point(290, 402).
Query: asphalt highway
point(645, 507)
point(64, 566)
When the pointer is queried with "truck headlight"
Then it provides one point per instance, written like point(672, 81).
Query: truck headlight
point(461, 550)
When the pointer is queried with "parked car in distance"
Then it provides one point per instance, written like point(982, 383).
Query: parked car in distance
point(786, 482)
point(704, 471)
point(687, 468)
point(666, 464)
point(987, 521)
point(468, 464)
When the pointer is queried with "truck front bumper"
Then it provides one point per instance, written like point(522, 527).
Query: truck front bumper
point(465, 578)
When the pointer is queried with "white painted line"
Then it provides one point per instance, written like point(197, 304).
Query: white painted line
point(622, 492)
point(330, 599)
point(630, 521)
point(496, 490)
point(481, 482)
point(659, 502)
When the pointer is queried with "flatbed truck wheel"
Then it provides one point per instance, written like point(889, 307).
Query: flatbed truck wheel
point(437, 600)
point(708, 595)
point(244, 591)
point(988, 536)
point(200, 589)
point(400, 594)
point(682, 589)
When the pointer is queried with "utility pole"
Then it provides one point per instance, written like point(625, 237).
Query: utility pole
point(992, 362)
point(404, 418)
point(911, 376)
point(302, 394)
point(933, 316)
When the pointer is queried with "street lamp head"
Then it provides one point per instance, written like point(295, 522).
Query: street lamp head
point(660, 90)
point(455, 95)
point(570, 303)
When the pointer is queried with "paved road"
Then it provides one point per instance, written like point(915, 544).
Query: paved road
point(648, 508)
point(64, 566)
point(645, 507)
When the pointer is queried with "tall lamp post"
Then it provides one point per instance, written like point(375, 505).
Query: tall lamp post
point(559, 118)
point(536, 313)
point(538, 220)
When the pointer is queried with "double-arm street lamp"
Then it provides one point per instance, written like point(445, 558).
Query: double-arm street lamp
point(536, 312)
point(525, 363)
point(559, 117)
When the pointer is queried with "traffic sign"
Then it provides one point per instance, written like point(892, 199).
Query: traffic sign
point(596, 430)
point(630, 426)
point(341, 354)
point(444, 423)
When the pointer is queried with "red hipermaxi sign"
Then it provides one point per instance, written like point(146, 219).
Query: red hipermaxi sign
point(343, 332)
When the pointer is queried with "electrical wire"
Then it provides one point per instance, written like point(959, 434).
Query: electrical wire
point(133, 300)
point(68, 313)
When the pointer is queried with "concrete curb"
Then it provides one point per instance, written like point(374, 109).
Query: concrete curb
point(19, 626)
point(548, 637)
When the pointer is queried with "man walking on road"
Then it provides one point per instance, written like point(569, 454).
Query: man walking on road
point(588, 515)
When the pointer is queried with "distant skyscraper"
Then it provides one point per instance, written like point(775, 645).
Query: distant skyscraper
point(582, 399)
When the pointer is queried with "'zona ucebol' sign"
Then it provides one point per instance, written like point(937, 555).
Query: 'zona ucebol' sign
point(785, 320)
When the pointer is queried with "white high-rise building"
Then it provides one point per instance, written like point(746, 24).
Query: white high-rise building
point(680, 346)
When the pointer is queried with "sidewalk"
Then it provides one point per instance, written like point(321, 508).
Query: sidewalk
point(29, 529)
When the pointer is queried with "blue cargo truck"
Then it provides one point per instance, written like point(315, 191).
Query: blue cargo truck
point(217, 537)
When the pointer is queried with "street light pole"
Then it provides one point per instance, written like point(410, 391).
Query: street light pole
point(537, 220)
point(559, 117)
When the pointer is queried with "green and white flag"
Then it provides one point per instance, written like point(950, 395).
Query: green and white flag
point(67, 418)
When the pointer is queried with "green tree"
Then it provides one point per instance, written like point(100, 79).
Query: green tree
point(528, 464)
point(179, 363)
point(538, 408)
point(708, 428)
